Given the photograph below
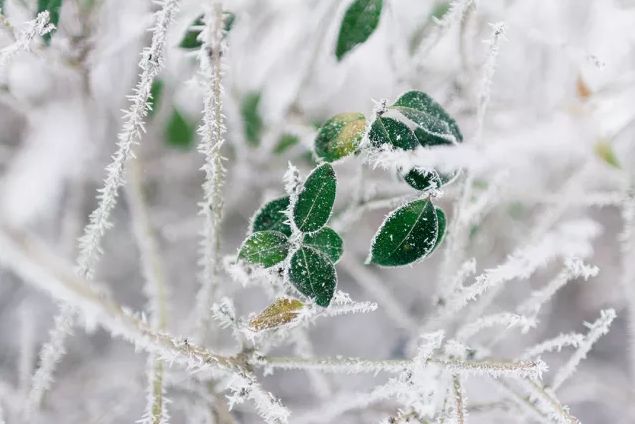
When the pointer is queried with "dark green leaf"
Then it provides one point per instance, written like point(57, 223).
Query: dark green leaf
point(285, 142)
point(190, 39)
point(441, 226)
point(434, 124)
point(408, 234)
point(179, 132)
point(155, 96)
point(313, 208)
point(313, 274)
point(265, 248)
point(326, 241)
point(360, 21)
point(390, 131)
point(422, 179)
point(251, 118)
point(272, 217)
point(340, 136)
point(54, 7)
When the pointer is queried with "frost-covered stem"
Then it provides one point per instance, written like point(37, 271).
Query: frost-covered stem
point(556, 410)
point(151, 63)
point(596, 330)
point(504, 319)
point(455, 14)
point(32, 29)
point(154, 287)
point(212, 132)
point(498, 31)
point(627, 247)
point(459, 400)
point(492, 368)
point(554, 344)
point(50, 356)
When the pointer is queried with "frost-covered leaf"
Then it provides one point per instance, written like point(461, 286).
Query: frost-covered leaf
point(434, 124)
point(313, 274)
point(360, 21)
point(408, 234)
point(190, 39)
point(280, 312)
point(179, 132)
point(252, 121)
point(387, 130)
point(340, 136)
point(156, 91)
point(441, 227)
point(272, 217)
point(265, 248)
point(313, 208)
point(53, 7)
point(422, 179)
point(285, 142)
point(604, 151)
point(327, 241)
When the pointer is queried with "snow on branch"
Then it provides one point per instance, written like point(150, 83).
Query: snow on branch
point(554, 345)
point(152, 61)
point(504, 319)
point(37, 27)
point(596, 330)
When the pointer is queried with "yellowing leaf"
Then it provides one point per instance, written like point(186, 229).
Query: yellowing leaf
point(280, 312)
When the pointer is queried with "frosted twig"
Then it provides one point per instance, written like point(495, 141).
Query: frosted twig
point(50, 356)
point(554, 344)
point(212, 132)
point(460, 410)
point(574, 268)
point(37, 27)
point(504, 319)
point(596, 330)
point(151, 63)
point(455, 13)
point(154, 288)
point(556, 411)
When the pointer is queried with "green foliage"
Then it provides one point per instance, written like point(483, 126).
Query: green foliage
point(285, 142)
point(441, 225)
point(326, 241)
point(156, 92)
point(191, 38)
point(340, 136)
point(434, 124)
point(604, 151)
point(315, 202)
point(408, 234)
point(360, 21)
point(422, 179)
point(272, 217)
point(54, 7)
point(179, 132)
point(265, 248)
point(387, 130)
point(313, 274)
point(252, 121)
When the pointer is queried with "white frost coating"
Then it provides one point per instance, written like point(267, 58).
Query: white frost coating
point(152, 61)
point(37, 27)
point(454, 15)
point(596, 330)
point(574, 268)
point(269, 408)
point(555, 344)
point(504, 319)
point(212, 132)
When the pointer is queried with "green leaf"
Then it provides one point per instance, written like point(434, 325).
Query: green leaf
point(190, 39)
point(326, 241)
point(179, 132)
point(156, 92)
point(272, 217)
point(441, 227)
point(408, 234)
point(285, 142)
point(422, 179)
point(360, 21)
point(340, 136)
point(387, 130)
point(313, 208)
point(54, 7)
point(313, 274)
point(434, 124)
point(604, 151)
point(251, 118)
point(265, 248)
point(280, 312)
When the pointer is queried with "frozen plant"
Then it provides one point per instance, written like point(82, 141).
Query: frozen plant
point(359, 211)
